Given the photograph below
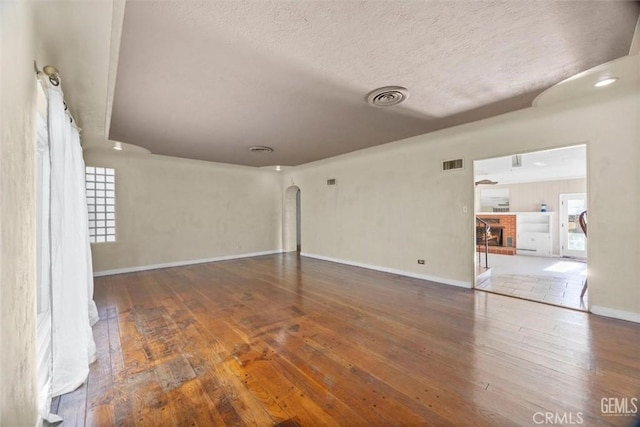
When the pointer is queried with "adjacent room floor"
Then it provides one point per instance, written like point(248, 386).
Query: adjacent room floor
point(288, 340)
point(557, 281)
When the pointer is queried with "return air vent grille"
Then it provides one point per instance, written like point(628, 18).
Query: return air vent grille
point(331, 181)
point(448, 165)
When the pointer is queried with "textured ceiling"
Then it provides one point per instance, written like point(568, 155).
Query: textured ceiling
point(208, 80)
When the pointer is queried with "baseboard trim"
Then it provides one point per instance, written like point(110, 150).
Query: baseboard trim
point(616, 314)
point(181, 263)
point(436, 279)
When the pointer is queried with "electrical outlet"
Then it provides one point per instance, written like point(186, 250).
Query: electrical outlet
point(421, 261)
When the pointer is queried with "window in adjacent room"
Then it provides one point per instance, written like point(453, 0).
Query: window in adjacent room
point(101, 201)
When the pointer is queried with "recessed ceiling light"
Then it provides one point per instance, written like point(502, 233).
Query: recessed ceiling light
point(387, 96)
point(606, 82)
point(117, 146)
point(539, 163)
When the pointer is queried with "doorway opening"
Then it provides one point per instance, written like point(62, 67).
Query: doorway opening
point(529, 240)
point(292, 236)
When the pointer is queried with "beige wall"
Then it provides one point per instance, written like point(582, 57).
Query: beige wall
point(393, 205)
point(173, 210)
point(527, 197)
point(18, 372)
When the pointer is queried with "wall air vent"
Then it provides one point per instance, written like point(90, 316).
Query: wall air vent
point(448, 165)
point(261, 149)
point(331, 181)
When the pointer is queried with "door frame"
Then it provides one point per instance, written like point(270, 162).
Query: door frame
point(475, 205)
point(562, 226)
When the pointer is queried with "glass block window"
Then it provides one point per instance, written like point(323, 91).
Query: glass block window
point(101, 202)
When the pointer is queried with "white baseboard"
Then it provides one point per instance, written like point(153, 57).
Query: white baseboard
point(181, 263)
point(616, 314)
point(458, 283)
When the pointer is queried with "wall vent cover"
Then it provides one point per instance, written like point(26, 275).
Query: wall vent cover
point(331, 181)
point(448, 165)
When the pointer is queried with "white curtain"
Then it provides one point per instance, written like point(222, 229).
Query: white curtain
point(44, 272)
point(73, 310)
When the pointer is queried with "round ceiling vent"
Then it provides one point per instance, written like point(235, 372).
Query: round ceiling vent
point(261, 149)
point(387, 96)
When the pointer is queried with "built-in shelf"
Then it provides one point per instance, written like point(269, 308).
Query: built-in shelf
point(534, 233)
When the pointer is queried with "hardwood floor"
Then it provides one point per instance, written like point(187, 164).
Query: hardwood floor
point(283, 340)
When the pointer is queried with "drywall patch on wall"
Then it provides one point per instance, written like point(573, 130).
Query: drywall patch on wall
point(18, 366)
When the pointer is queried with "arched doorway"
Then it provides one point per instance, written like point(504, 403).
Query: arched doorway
point(292, 236)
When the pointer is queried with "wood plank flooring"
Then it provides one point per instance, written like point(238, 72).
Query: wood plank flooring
point(290, 341)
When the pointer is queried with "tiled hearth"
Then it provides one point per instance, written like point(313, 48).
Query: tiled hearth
point(508, 225)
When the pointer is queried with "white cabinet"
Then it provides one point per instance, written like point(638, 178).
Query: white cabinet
point(534, 233)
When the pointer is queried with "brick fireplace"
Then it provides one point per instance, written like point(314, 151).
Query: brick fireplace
point(502, 234)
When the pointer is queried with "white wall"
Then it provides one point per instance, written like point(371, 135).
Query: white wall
point(527, 197)
point(393, 205)
point(18, 371)
point(174, 210)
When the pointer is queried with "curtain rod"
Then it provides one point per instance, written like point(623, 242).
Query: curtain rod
point(54, 77)
point(53, 73)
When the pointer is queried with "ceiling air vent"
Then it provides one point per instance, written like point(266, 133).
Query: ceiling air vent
point(387, 96)
point(331, 181)
point(448, 165)
point(261, 149)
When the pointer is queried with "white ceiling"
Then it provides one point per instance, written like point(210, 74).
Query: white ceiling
point(207, 80)
point(548, 165)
